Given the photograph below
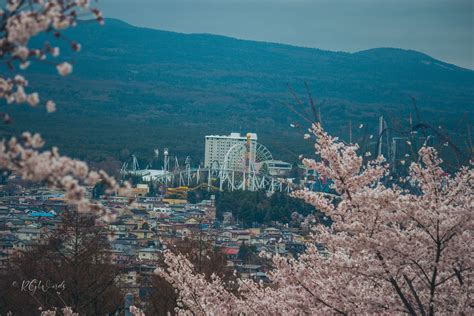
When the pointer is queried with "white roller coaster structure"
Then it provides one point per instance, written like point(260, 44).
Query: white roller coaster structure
point(242, 169)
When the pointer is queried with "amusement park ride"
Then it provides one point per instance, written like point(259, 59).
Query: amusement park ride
point(242, 169)
point(250, 166)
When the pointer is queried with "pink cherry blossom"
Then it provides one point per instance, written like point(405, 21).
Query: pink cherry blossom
point(23, 20)
point(50, 106)
point(64, 69)
point(22, 156)
point(388, 251)
point(136, 311)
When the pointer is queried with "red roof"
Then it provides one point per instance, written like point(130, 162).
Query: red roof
point(230, 251)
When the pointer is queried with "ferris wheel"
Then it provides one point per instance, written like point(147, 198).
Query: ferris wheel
point(241, 166)
point(240, 158)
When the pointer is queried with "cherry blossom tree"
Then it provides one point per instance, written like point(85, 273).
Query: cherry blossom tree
point(20, 20)
point(390, 250)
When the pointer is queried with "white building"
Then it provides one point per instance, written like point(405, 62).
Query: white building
point(277, 168)
point(148, 254)
point(218, 146)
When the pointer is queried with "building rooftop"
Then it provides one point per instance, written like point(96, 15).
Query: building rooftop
point(234, 136)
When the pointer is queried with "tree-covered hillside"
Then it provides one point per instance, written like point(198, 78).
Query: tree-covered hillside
point(135, 89)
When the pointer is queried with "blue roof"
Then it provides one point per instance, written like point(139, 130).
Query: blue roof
point(41, 214)
point(54, 195)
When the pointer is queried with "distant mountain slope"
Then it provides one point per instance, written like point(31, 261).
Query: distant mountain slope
point(138, 89)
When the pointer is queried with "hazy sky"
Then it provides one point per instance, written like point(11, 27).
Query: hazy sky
point(443, 29)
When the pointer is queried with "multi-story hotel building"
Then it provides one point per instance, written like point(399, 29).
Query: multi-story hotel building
point(218, 146)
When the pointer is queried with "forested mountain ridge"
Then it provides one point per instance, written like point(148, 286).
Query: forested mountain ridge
point(138, 89)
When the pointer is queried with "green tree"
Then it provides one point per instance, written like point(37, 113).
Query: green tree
point(191, 197)
point(207, 259)
point(98, 190)
point(252, 208)
point(76, 258)
point(151, 189)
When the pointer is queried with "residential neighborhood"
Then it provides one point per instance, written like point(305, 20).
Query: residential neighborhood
point(142, 231)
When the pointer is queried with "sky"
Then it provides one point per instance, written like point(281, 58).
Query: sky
point(443, 29)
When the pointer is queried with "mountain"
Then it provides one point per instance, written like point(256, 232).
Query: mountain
point(137, 89)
